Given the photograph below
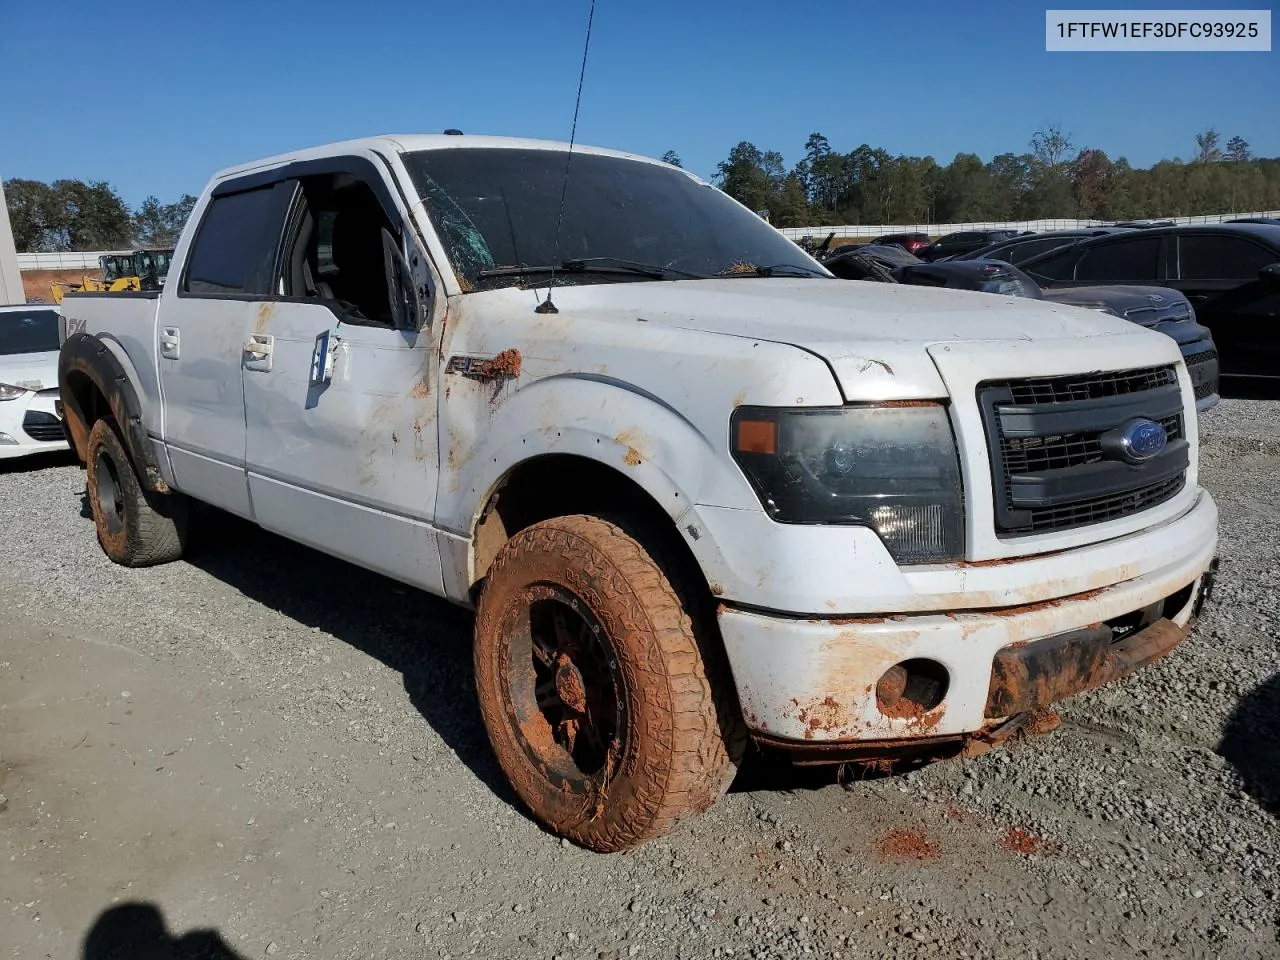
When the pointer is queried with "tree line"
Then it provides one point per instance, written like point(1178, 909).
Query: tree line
point(80, 215)
point(1051, 179)
point(867, 185)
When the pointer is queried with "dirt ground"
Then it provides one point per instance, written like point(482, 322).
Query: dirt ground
point(35, 283)
point(259, 751)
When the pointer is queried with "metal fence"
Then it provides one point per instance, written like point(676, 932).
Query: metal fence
point(1039, 226)
point(62, 261)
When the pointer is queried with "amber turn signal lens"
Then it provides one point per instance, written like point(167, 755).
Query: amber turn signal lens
point(757, 436)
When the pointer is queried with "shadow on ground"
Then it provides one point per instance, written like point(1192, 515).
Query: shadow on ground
point(136, 931)
point(426, 639)
point(37, 462)
point(1251, 743)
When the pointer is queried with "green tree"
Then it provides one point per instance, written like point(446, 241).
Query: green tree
point(157, 224)
point(1238, 150)
point(751, 177)
point(31, 209)
point(672, 158)
point(1010, 184)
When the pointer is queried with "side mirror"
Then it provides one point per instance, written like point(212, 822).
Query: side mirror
point(1270, 274)
point(406, 307)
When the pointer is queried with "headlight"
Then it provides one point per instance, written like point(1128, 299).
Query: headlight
point(892, 468)
point(9, 392)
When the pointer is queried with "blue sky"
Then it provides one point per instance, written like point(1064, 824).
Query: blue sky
point(157, 100)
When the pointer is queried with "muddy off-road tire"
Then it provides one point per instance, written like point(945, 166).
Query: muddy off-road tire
point(135, 528)
point(595, 688)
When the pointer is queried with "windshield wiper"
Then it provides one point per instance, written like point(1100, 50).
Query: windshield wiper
point(605, 265)
point(776, 270)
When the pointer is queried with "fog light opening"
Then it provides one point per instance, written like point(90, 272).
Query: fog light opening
point(912, 688)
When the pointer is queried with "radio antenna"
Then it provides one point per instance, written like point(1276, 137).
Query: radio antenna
point(547, 306)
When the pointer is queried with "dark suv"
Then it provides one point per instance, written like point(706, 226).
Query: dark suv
point(1229, 271)
point(965, 241)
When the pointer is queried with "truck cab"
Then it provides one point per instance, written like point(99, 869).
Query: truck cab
point(698, 491)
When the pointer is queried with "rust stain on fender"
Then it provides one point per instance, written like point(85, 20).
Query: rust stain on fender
point(508, 363)
point(632, 457)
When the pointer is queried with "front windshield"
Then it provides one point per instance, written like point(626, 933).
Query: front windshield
point(28, 331)
point(497, 208)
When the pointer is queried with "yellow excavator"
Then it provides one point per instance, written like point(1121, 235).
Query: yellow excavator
point(121, 272)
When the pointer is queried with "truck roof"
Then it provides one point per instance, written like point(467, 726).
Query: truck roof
point(407, 143)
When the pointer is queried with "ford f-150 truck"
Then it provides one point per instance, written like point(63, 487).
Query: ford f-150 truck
point(697, 490)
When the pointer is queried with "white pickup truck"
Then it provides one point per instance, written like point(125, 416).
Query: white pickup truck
point(698, 490)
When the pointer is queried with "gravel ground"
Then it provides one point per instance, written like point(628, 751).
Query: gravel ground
point(263, 752)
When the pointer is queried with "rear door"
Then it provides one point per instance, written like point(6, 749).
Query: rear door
point(1135, 259)
point(1218, 273)
point(204, 319)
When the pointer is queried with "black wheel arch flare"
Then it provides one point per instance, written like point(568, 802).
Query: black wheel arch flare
point(84, 357)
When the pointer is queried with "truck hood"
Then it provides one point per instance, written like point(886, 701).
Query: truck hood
point(35, 371)
point(874, 336)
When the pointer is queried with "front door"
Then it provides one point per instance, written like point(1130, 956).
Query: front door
point(347, 459)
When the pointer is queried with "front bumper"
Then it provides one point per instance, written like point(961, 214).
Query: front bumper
point(28, 422)
point(813, 681)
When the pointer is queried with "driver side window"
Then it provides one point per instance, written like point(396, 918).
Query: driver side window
point(335, 249)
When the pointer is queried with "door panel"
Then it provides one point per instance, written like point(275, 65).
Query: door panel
point(205, 316)
point(350, 466)
point(203, 399)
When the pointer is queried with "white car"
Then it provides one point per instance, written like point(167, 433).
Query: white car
point(29, 421)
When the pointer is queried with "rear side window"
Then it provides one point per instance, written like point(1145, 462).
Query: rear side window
point(1021, 252)
point(1056, 266)
point(235, 248)
point(1129, 261)
point(1222, 258)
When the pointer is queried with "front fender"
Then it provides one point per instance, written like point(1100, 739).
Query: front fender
point(595, 418)
point(592, 417)
point(87, 361)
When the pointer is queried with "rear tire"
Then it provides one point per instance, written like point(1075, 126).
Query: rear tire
point(136, 528)
point(594, 688)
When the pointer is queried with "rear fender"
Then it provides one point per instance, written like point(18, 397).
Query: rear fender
point(86, 357)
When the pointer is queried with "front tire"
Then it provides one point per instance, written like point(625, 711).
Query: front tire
point(136, 528)
point(595, 689)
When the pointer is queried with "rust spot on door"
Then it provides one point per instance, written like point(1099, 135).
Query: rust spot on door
point(265, 311)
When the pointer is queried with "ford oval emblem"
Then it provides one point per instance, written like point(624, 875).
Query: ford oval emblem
point(1143, 439)
point(1155, 298)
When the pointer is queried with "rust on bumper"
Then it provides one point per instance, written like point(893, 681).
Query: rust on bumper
point(1037, 674)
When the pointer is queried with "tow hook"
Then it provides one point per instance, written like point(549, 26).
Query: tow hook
point(1206, 587)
